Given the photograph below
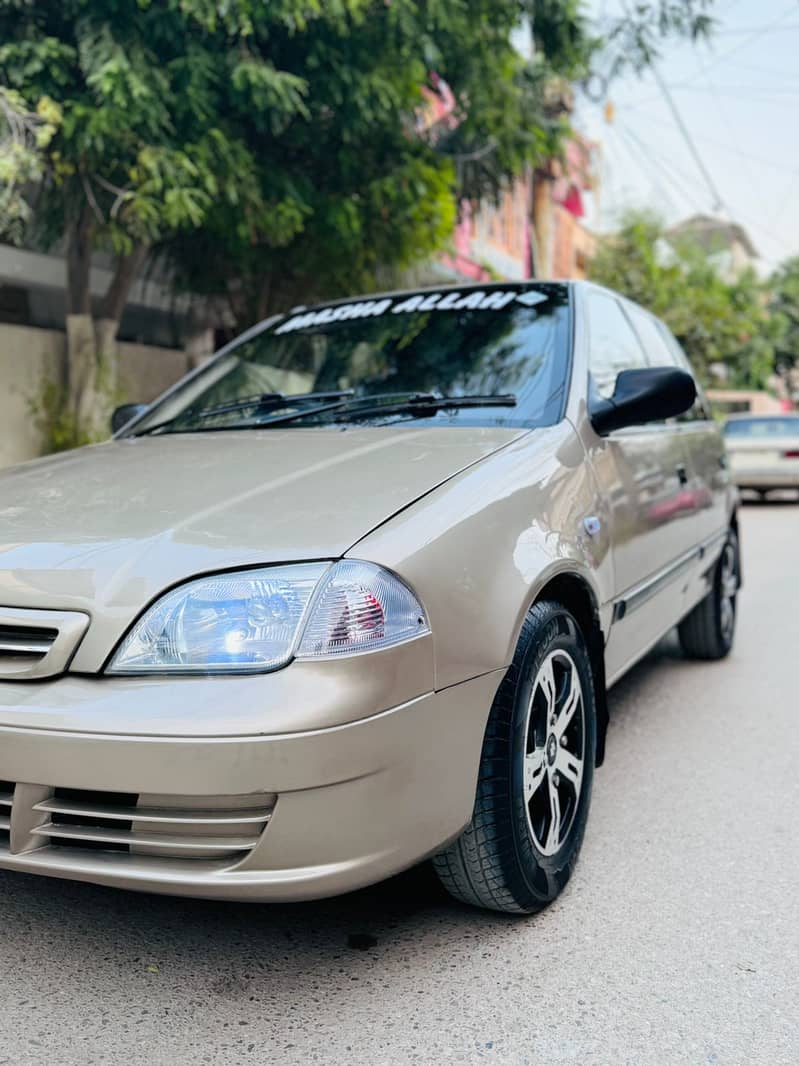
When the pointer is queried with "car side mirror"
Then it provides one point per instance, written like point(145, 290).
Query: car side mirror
point(646, 395)
point(126, 413)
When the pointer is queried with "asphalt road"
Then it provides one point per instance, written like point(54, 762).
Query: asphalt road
point(676, 942)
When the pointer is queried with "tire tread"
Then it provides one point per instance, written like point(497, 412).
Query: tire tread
point(474, 867)
point(700, 632)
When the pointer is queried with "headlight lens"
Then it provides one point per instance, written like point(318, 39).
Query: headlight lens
point(360, 607)
point(257, 620)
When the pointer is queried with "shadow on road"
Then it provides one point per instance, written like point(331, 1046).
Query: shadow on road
point(204, 933)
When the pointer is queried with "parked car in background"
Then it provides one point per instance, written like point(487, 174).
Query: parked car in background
point(352, 594)
point(763, 451)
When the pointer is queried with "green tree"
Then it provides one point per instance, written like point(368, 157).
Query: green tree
point(783, 289)
point(717, 320)
point(24, 136)
point(270, 151)
point(150, 96)
point(371, 192)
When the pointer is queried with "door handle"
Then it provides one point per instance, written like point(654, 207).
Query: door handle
point(682, 474)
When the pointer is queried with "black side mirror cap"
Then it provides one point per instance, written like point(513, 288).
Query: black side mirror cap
point(126, 413)
point(647, 395)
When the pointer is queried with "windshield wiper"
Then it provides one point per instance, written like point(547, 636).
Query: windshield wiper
point(418, 404)
point(266, 401)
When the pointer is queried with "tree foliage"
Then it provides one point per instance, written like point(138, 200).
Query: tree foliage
point(357, 184)
point(249, 139)
point(273, 151)
point(717, 320)
point(783, 289)
point(24, 137)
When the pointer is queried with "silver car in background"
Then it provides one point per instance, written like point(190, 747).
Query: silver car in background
point(763, 451)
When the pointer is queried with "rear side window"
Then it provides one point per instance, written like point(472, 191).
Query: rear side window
point(762, 427)
point(658, 352)
point(662, 349)
point(675, 347)
point(613, 346)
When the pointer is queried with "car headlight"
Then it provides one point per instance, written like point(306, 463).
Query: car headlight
point(257, 620)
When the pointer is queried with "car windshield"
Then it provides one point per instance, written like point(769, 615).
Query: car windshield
point(762, 427)
point(487, 357)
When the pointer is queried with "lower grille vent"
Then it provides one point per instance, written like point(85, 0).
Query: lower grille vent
point(6, 800)
point(26, 640)
point(21, 648)
point(178, 827)
point(71, 808)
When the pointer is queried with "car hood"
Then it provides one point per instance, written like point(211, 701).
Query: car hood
point(106, 529)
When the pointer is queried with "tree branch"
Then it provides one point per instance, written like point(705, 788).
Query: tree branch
point(79, 259)
point(125, 272)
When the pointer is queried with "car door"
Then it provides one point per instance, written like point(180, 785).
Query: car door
point(695, 496)
point(643, 474)
point(704, 443)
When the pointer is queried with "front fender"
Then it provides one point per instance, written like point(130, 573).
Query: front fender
point(479, 549)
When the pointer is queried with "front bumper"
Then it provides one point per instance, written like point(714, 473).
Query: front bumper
point(347, 805)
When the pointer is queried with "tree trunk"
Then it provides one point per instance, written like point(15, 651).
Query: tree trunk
point(91, 345)
point(262, 302)
point(107, 382)
point(81, 376)
point(81, 368)
point(126, 270)
point(79, 261)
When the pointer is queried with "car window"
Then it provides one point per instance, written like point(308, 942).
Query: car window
point(701, 408)
point(662, 349)
point(656, 350)
point(511, 341)
point(762, 427)
point(613, 346)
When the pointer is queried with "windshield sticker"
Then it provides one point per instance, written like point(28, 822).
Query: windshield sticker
point(452, 300)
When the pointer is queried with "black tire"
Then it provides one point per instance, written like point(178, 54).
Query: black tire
point(497, 862)
point(705, 633)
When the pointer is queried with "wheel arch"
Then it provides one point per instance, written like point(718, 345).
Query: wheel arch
point(574, 593)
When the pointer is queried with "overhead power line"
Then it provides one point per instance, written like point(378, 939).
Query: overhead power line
point(707, 138)
point(776, 23)
point(676, 175)
point(769, 27)
point(663, 166)
point(718, 203)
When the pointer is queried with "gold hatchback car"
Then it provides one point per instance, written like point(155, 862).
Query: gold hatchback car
point(351, 596)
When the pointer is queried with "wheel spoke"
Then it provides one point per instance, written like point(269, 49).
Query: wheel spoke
point(727, 617)
point(728, 587)
point(546, 682)
point(570, 766)
point(729, 579)
point(534, 766)
point(554, 763)
point(570, 705)
point(553, 835)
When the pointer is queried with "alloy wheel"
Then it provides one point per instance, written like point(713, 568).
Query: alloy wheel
point(728, 587)
point(554, 752)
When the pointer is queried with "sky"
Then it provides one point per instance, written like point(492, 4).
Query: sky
point(738, 96)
